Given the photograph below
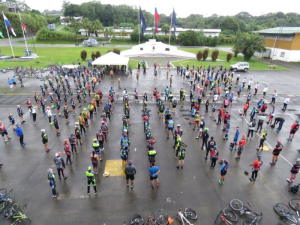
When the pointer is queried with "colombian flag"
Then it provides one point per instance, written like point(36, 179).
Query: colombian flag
point(23, 26)
point(156, 16)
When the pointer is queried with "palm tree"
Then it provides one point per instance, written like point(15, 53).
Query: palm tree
point(165, 28)
point(85, 25)
point(97, 25)
point(250, 43)
point(123, 33)
point(110, 32)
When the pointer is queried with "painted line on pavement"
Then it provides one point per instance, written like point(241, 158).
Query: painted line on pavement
point(270, 146)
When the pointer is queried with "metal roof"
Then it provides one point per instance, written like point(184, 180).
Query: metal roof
point(280, 31)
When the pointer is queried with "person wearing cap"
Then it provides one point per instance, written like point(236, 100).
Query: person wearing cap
point(67, 151)
point(85, 116)
point(294, 171)
point(51, 181)
point(20, 134)
point(276, 152)
point(177, 131)
point(55, 122)
point(3, 131)
point(101, 138)
point(130, 171)
point(294, 129)
point(274, 97)
point(263, 137)
point(45, 140)
point(240, 146)
point(20, 113)
point(223, 170)
point(255, 168)
point(91, 109)
point(49, 115)
point(11, 120)
point(81, 122)
point(286, 102)
point(90, 175)
point(96, 147)
point(60, 165)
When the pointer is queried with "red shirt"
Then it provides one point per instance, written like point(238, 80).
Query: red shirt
point(257, 164)
point(221, 112)
point(242, 143)
point(89, 87)
point(295, 126)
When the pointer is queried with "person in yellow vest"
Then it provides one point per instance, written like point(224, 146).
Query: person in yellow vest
point(97, 99)
point(81, 123)
point(86, 117)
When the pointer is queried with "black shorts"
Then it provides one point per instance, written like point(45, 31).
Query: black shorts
point(225, 121)
point(136, 97)
point(166, 122)
point(56, 127)
point(130, 177)
point(58, 108)
point(14, 83)
point(78, 136)
point(67, 116)
point(181, 158)
point(223, 172)
point(153, 178)
point(293, 131)
point(95, 165)
point(151, 159)
point(4, 133)
point(73, 106)
point(12, 122)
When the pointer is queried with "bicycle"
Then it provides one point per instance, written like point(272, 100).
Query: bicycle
point(4, 199)
point(227, 217)
point(19, 216)
point(253, 221)
point(160, 218)
point(136, 219)
point(239, 206)
point(11, 210)
point(188, 213)
point(283, 211)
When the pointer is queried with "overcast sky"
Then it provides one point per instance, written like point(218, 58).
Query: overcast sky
point(187, 7)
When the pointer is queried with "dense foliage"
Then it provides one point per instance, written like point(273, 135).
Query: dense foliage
point(47, 35)
point(83, 55)
point(215, 55)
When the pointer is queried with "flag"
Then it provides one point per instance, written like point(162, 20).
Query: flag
point(174, 21)
point(156, 16)
point(142, 22)
point(23, 26)
point(7, 23)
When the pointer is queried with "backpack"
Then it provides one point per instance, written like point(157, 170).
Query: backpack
point(101, 137)
point(264, 107)
point(227, 116)
point(294, 189)
point(106, 108)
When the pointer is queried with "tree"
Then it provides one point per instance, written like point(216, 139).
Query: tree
point(123, 33)
point(236, 51)
point(93, 56)
point(85, 25)
point(205, 54)
point(98, 54)
point(228, 57)
point(229, 24)
point(165, 28)
point(97, 25)
point(109, 32)
point(215, 55)
point(83, 55)
point(117, 51)
point(249, 43)
point(188, 38)
point(199, 55)
point(17, 5)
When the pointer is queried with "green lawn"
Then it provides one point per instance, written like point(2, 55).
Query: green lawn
point(255, 64)
point(33, 40)
point(52, 55)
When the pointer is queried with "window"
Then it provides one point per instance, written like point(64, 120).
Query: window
point(282, 54)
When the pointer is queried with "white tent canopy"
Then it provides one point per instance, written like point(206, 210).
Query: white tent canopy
point(111, 59)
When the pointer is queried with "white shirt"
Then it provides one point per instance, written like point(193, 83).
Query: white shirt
point(286, 101)
point(250, 82)
point(274, 94)
point(244, 80)
point(238, 75)
point(256, 86)
point(216, 97)
point(265, 89)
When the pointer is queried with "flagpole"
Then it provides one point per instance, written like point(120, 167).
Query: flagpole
point(170, 27)
point(12, 51)
point(24, 36)
point(139, 12)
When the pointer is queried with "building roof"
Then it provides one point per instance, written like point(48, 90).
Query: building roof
point(284, 31)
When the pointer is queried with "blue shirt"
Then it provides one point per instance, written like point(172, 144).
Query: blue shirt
point(19, 131)
point(153, 170)
point(237, 134)
point(13, 79)
point(167, 90)
point(10, 82)
point(240, 89)
point(125, 142)
point(171, 124)
point(193, 112)
point(224, 167)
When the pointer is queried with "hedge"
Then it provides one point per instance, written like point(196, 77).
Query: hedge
point(47, 35)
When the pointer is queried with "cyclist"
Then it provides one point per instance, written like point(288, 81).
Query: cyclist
point(101, 138)
point(95, 161)
point(3, 131)
point(97, 149)
point(255, 168)
point(55, 122)
point(192, 116)
point(224, 168)
point(294, 129)
point(151, 155)
point(240, 146)
point(167, 92)
point(262, 139)
point(211, 146)
point(90, 175)
point(77, 133)
point(167, 117)
point(251, 128)
point(45, 140)
point(225, 138)
point(205, 137)
point(181, 155)
point(171, 125)
point(67, 151)
point(124, 155)
point(60, 165)
point(202, 125)
point(11, 120)
point(125, 142)
point(91, 109)
point(235, 139)
point(214, 154)
point(197, 120)
point(179, 131)
point(276, 152)
point(20, 134)
point(161, 109)
point(51, 181)
point(294, 171)
point(130, 171)
point(153, 174)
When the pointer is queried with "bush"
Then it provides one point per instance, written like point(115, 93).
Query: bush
point(117, 51)
point(199, 55)
point(215, 55)
point(228, 57)
point(205, 54)
point(48, 35)
point(83, 55)
point(98, 54)
point(188, 38)
point(93, 56)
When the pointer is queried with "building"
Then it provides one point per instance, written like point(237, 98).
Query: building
point(149, 30)
point(282, 43)
point(64, 20)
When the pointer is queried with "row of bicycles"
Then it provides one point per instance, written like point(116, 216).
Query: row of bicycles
point(161, 217)
point(284, 212)
point(11, 209)
point(229, 215)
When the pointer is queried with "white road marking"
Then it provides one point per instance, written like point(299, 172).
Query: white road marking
point(270, 146)
point(135, 149)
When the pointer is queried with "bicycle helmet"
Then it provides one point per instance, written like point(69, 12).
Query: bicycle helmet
point(42, 130)
point(90, 168)
point(103, 121)
point(206, 129)
point(279, 140)
point(49, 170)
point(66, 140)
point(95, 139)
point(130, 162)
point(243, 136)
point(298, 160)
point(264, 130)
point(84, 109)
point(178, 125)
point(76, 123)
point(259, 157)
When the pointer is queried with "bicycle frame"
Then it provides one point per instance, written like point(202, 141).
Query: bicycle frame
point(183, 219)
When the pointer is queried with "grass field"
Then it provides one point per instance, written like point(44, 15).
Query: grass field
point(255, 64)
point(52, 55)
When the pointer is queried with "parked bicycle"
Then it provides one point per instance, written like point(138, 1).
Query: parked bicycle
point(4, 198)
point(283, 211)
point(160, 218)
point(227, 216)
point(188, 213)
point(239, 206)
point(11, 210)
point(19, 216)
point(135, 219)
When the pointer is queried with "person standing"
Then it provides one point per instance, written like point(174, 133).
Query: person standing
point(91, 109)
point(33, 112)
point(262, 139)
point(12, 121)
point(211, 146)
point(223, 170)
point(255, 168)
point(153, 174)
point(10, 84)
point(66, 114)
point(294, 171)
point(205, 137)
point(276, 152)
point(95, 161)
point(294, 129)
point(60, 165)
point(55, 122)
point(285, 103)
point(214, 157)
point(261, 119)
point(3, 131)
point(90, 175)
point(20, 113)
point(251, 128)
point(265, 91)
point(256, 88)
point(51, 181)
point(49, 115)
point(181, 156)
point(137, 75)
point(45, 140)
point(240, 147)
point(67, 151)
point(274, 97)
point(171, 80)
point(130, 171)
point(20, 134)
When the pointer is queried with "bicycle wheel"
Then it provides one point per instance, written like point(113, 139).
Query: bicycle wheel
point(295, 204)
point(236, 204)
point(250, 221)
point(230, 215)
point(191, 214)
point(3, 205)
point(136, 219)
point(3, 191)
point(161, 217)
point(281, 209)
point(12, 210)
